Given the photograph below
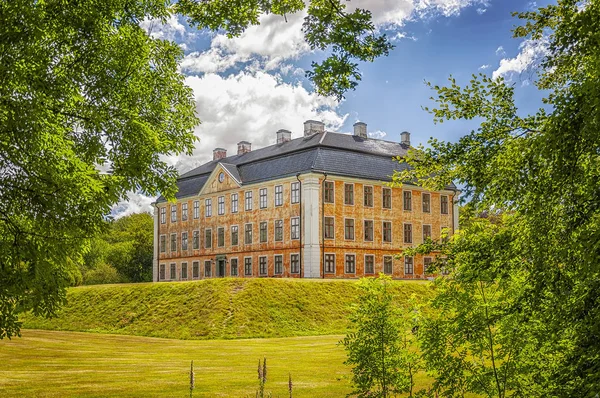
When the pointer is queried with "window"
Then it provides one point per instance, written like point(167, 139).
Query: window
point(163, 243)
point(183, 270)
point(208, 208)
point(248, 200)
point(262, 198)
point(387, 231)
point(173, 242)
point(184, 241)
point(196, 240)
point(234, 235)
point(408, 265)
point(207, 238)
point(263, 232)
point(173, 274)
point(329, 228)
point(163, 215)
point(295, 228)
point(295, 263)
point(388, 265)
point(348, 194)
point(278, 264)
point(426, 203)
point(427, 264)
point(220, 237)
point(295, 197)
point(196, 209)
point(234, 202)
point(162, 272)
point(350, 264)
point(407, 200)
point(278, 230)
point(248, 266)
point(328, 192)
point(444, 204)
point(173, 213)
point(248, 234)
point(221, 205)
point(234, 267)
point(184, 211)
point(195, 269)
point(426, 232)
point(278, 195)
point(330, 263)
point(262, 265)
point(368, 230)
point(387, 198)
point(369, 264)
point(368, 193)
point(207, 268)
point(349, 229)
point(407, 233)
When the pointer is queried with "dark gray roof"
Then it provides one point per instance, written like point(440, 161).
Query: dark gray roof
point(331, 153)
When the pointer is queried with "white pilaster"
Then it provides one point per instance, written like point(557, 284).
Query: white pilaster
point(311, 254)
point(455, 214)
point(155, 251)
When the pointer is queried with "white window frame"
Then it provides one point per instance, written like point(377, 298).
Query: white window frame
point(372, 231)
point(280, 256)
point(194, 263)
point(237, 271)
point(266, 273)
point(278, 200)
point(251, 233)
point(174, 213)
point(208, 207)
point(275, 230)
point(324, 235)
point(160, 245)
point(295, 192)
point(245, 273)
point(221, 205)
point(332, 191)
point(353, 229)
point(163, 215)
point(234, 202)
point(209, 274)
point(220, 229)
point(325, 264)
point(291, 263)
point(404, 192)
point(372, 196)
point(248, 201)
point(162, 272)
point(196, 247)
point(184, 265)
point(184, 211)
point(423, 202)
point(237, 230)
point(184, 240)
point(383, 265)
point(365, 264)
point(263, 198)
point(171, 249)
point(196, 209)
point(353, 194)
point(383, 190)
point(294, 227)
point(404, 233)
point(173, 275)
point(345, 262)
point(383, 231)
point(412, 265)
point(211, 238)
point(447, 205)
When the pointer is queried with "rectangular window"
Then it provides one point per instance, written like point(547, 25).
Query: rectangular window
point(278, 264)
point(207, 268)
point(329, 228)
point(234, 267)
point(369, 264)
point(427, 264)
point(262, 198)
point(220, 237)
point(408, 265)
point(426, 203)
point(295, 196)
point(196, 240)
point(184, 211)
point(173, 242)
point(196, 209)
point(426, 232)
point(234, 202)
point(295, 263)
point(234, 235)
point(328, 192)
point(278, 195)
point(444, 204)
point(248, 234)
point(184, 241)
point(248, 200)
point(408, 233)
point(163, 243)
point(221, 205)
point(330, 263)
point(248, 266)
point(183, 270)
point(263, 232)
point(368, 230)
point(173, 274)
point(262, 265)
point(162, 272)
point(278, 230)
point(387, 198)
point(368, 193)
point(173, 213)
point(163, 215)
point(207, 238)
point(407, 200)
point(295, 228)
point(388, 265)
point(387, 231)
point(348, 194)
point(195, 269)
point(349, 229)
point(208, 208)
point(350, 264)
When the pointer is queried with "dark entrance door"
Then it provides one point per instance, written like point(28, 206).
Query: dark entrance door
point(221, 268)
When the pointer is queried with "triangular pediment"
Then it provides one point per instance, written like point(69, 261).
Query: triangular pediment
point(224, 177)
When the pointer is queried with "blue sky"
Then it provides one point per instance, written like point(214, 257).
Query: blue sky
point(249, 87)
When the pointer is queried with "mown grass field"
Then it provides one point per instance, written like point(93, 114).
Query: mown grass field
point(71, 364)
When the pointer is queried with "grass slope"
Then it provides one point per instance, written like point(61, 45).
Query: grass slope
point(214, 309)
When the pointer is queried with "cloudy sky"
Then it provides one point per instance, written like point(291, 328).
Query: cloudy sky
point(249, 87)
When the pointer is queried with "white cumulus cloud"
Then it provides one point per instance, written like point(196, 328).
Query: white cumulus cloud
point(530, 53)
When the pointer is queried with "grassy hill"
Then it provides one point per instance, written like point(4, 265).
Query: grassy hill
point(214, 309)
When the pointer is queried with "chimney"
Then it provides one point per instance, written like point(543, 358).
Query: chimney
point(405, 138)
point(244, 147)
point(283, 136)
point(219, 153)
point(313, 127)
point(360, 129)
